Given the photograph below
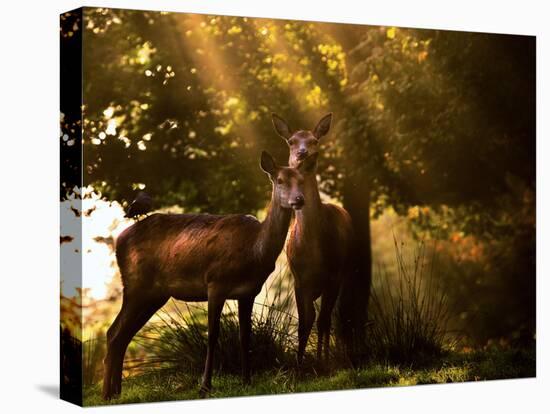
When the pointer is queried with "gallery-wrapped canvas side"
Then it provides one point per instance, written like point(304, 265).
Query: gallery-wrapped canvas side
point(70, 206)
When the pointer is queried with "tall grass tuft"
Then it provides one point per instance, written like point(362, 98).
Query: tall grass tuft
point(93, 351)
point(179, 340)
point(410, 313)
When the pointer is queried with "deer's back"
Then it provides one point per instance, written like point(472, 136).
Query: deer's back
point(181, 254)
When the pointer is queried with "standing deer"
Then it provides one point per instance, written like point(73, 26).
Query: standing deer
point(320, 242)
point(201, 257)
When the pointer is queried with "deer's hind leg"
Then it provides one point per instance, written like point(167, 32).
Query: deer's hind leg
point(131, 318)
point(328, 300)
point(245, 328)
point(215, 307)
point(306, 317)
point(113, 330)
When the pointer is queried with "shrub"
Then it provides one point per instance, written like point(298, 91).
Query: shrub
point(409, 312)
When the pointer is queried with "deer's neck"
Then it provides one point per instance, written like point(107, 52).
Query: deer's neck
point(272, 236)
point(309, 219)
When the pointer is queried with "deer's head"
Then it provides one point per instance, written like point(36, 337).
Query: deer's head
point(288, 182)
point(302, 142)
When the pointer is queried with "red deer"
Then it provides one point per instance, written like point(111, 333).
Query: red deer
point(320, 242)
point(201, 257)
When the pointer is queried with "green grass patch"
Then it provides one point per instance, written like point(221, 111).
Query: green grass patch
point(163, 385)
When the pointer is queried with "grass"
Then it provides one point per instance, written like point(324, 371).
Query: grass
point(410, 314)
point(93, 351)
point(452, 368)
point(407, 340)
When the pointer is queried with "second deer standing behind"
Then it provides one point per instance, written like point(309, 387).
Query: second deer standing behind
point(319, 245)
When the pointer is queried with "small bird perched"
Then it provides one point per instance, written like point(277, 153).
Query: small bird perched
point(141, 205)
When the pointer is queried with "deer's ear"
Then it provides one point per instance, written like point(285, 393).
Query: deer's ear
point(281, 126)
point(268, 164)
point(309, 164)
point(323, 126)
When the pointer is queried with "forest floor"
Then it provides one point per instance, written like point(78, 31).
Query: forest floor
point(452, 368)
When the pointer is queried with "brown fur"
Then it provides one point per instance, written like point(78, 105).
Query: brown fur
point(181, 255)
point(320, 243)
point(318, 252)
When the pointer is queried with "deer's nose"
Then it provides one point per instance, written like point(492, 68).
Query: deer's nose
point(298, 202)
point(301, 154)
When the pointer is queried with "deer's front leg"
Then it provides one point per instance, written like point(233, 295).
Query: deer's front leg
point(306, 317)
point(245, 328)
point(215, 306)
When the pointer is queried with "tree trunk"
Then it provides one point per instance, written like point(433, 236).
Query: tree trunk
point(354, 298)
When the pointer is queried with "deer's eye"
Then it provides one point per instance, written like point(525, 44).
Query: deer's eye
point(292, 142)
point(279, 181)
